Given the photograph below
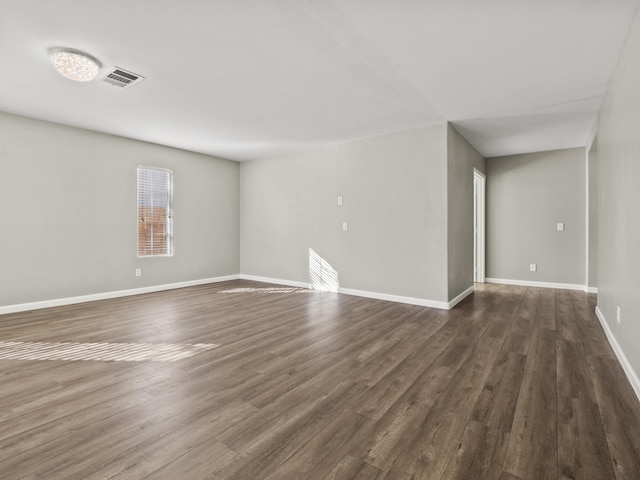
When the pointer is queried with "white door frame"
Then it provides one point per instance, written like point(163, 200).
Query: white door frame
point(479, 200)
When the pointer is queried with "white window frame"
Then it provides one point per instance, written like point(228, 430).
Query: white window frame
point(166, 202)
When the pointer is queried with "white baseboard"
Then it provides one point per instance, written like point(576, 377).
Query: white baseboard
point(622, 358)
point(276, 281)
point(349, 291)
point(460, 297)
point(22, 307)
point(366, 294)
point(526, 283)
point(591, 289)
point(395, 298)
point(410, 300)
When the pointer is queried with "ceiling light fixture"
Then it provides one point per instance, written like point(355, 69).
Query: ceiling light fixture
point(74, 64)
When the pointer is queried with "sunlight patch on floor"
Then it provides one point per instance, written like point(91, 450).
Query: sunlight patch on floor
point(267, 290)
point(103, 352)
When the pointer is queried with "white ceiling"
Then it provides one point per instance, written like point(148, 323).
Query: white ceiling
point(246, 79)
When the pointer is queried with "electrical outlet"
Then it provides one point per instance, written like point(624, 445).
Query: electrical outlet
point(138, 272)
point(618, 314)
point(533, 267)
point(345, 226)
point(560, 227)
point(340, 200)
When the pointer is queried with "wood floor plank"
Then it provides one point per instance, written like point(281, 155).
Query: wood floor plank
point(381, 396)
point(46, 432)
point(197, 463)
point(518, 337)
point(515, 383)
point(573, 377)
point(508, 476)
point(286, 438)
point(398, 427)
point(582, 447)
point(620, 416)
point(527, 307)
point(480, 453)
point(318, 457)
point(567, 325)
point(431, 449)
point(295, 403)
point(421, 445)
point(351, 468)
point(533, 443)
point(496, 404)
point(545, 311)
point(142, 457)
point(92, 445)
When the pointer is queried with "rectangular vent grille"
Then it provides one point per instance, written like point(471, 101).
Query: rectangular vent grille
point(122, 78)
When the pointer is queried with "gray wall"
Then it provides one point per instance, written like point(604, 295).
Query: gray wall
point(619, 201)
point(394, 190)
point(462, 158)
point(527, 195)
point(592, 165)
point(68, 213)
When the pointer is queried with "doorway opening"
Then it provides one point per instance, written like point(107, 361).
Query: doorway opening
point(479, 183)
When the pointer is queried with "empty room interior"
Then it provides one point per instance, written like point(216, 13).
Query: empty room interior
point(305, 239)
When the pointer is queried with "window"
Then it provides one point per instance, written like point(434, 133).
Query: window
point(155, 211)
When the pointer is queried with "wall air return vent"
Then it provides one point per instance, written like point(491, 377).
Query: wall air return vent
point(122, 78)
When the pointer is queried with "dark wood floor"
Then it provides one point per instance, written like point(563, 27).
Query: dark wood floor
point(514, 383)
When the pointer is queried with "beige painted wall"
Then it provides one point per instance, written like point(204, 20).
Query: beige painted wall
point(619, 202)
point(394, 190)
point(68, 213)
point(527, 195)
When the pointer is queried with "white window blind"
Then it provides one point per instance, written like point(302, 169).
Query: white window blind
point(155, 211)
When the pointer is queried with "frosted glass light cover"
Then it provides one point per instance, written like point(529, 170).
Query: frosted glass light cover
point(76, 66)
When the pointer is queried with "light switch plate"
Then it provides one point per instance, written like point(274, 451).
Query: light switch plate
point(560, 227)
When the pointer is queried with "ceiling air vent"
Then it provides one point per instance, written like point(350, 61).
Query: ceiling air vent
point(122, 78)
